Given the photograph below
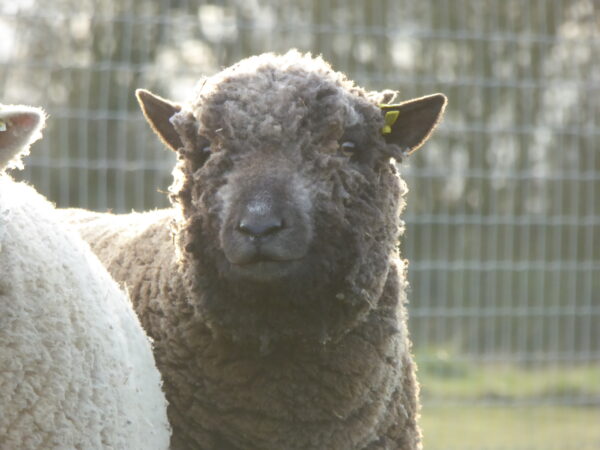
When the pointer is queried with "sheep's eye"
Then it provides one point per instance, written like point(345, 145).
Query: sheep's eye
point(348, 148)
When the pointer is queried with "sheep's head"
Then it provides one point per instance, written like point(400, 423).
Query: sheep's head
point(289, 199)
point(19, 128)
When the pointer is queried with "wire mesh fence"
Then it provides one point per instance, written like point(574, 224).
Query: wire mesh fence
point(504, 208)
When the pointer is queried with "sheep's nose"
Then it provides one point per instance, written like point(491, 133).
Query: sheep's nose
point(260, 227)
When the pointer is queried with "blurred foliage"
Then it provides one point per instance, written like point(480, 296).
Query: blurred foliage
point(504, 209)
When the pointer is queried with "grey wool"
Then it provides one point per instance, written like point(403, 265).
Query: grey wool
point(273, 288)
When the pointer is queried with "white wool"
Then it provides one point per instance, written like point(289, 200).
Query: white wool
point(76, 368)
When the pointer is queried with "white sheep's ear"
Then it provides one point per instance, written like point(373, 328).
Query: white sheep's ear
point(409, 124)
point(19, 127)
point(157, 112)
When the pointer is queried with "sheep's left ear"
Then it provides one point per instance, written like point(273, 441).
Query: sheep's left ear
point(409, 124)
point(158, 112)
point(19, 127)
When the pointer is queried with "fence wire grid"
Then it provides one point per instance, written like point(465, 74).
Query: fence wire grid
point(504, 203)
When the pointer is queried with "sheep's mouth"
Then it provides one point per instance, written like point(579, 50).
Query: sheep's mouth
point(266, 269)
point(260, 257)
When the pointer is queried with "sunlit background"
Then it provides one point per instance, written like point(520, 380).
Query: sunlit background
point(504, 210)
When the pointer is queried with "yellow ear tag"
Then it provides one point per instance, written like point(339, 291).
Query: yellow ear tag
point(2, 125)
point(390, 119)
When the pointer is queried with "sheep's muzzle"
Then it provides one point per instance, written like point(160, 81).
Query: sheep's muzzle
point(266, 229)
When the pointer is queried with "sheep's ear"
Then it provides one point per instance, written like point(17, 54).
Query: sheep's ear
point(409, 124)
point(19, 127)
point(157, 112)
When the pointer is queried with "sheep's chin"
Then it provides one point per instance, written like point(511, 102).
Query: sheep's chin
point(266, 271)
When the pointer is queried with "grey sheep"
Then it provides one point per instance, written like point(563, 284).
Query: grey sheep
point(273, 288)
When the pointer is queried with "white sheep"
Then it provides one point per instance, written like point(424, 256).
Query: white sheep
point(76, 368)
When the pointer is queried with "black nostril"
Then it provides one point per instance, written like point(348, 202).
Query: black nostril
point(260, 228)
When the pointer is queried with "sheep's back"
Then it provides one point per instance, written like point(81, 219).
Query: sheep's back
point(112, 235)
point(138, 251)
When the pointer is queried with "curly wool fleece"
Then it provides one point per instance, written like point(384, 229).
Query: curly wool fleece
point(76, 368)
point(312, 353)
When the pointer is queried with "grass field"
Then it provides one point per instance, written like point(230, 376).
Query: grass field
point(510, 428)
point(471, 406)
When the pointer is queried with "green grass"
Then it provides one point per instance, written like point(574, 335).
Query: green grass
point(476, 406)
point(502, 427)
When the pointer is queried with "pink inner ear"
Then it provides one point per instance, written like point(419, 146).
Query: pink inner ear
point(25, 120)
